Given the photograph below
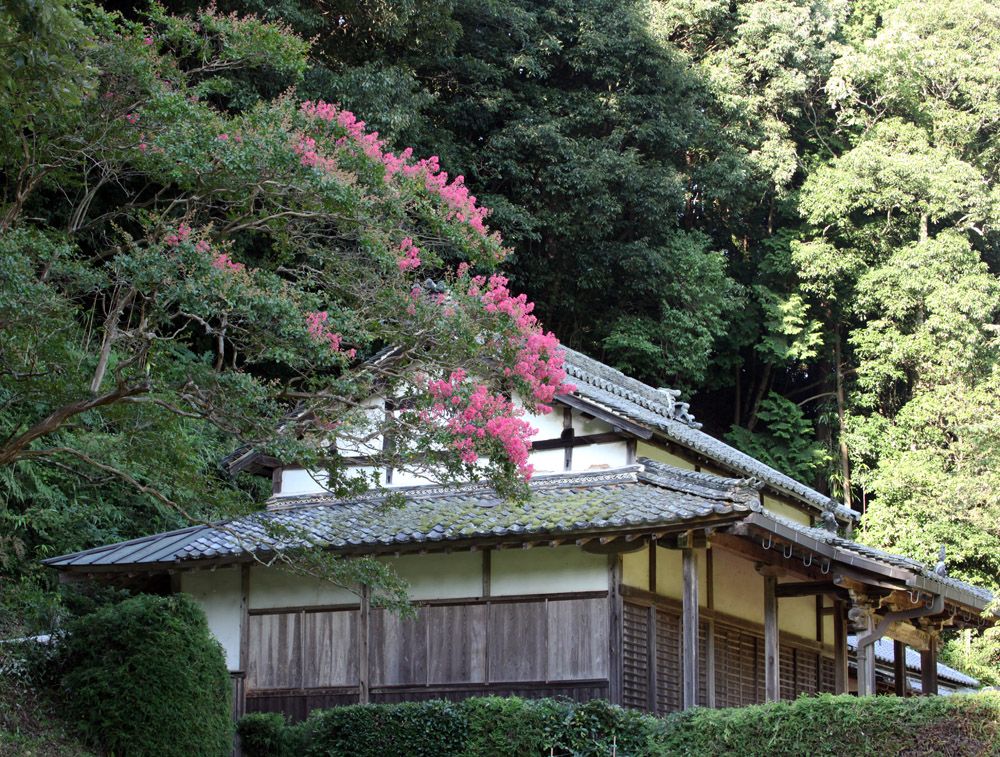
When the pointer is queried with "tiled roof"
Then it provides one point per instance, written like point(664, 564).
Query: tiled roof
point(885, 652)
point(659, 410)
point(639, 496)
point(642, 497)
point(953, 588)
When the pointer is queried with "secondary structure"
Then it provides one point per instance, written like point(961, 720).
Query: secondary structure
point(654, 565)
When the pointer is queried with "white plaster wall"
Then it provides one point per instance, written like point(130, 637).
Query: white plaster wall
point(596, 456)
point(440, 576)
point(295, 481)
point(549, 425)
point(218, 592)
point(546, 570)
point(585, 426)
point(273, 587)
point(548, 460)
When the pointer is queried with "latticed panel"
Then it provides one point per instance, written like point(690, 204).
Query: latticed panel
point(703, 629)
point(668, 662)
point(786, 672)
point(739, 678)
point(828, 675)
point(635, 656)
point(806, 672)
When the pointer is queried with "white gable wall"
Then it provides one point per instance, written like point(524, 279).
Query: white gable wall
point(219, 593)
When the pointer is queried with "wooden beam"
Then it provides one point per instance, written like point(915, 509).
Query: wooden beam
point(810, 588)
point(570, 440)
point(899, 667)
point(928, 669)
point(772, 682)
point(689, 629)
point(615, 420)
point(839, 647)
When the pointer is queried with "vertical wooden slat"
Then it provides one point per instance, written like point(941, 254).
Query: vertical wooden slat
point(928, 669)
point(364, 653)
point(899, 666)
point(772, 689)
point(689, 629)
point(487, 571)
point(839, 647)
point(635, 648)
point(651, 657)
point(668, 662)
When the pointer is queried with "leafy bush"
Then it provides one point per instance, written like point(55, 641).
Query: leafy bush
point(824, 726)
point(838, 726)
point(145, 677)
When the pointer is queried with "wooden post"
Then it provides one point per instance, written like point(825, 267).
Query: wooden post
point(928, 669)
point(899, 667)
point(244, 616)
point(689, 629)
point(615, 635)
point(866, 661)
point(772, 681)
point(839, 647)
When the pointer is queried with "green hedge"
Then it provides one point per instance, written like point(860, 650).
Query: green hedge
point(144, 677)
point(843, 726)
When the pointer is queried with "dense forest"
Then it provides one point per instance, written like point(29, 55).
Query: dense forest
point(788, 209)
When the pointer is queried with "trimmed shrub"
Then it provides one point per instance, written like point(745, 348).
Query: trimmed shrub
point(145, 677)
point(824, 726)
point(841, 726)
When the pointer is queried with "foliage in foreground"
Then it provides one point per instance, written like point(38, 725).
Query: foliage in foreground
point(146, 677)
point(835, 726)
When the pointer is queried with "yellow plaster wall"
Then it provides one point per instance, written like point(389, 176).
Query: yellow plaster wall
point(273, 587)
point(739, 589)
point(546, 570)
point(644, 449)
point(635, 569)
point(797, 615)
point(440, 576)
point(787, 511)
point(670, 574)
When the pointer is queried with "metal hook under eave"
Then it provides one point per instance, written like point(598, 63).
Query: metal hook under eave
point(807, 564)
point(914, 598)
point(789, 553)
point(770, 538)
point(829, 564)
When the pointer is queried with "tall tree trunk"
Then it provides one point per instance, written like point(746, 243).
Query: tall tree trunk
point(765, 382)
point(841, 416)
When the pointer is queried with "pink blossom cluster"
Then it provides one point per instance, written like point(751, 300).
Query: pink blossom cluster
point(538, 361)
point(315, 323)
point(409, 257)
point(222, 261)
point(478, 416)
point(461, 204)
point(182, 235)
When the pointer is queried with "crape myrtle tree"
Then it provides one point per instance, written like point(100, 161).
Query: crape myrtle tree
point(175, 271)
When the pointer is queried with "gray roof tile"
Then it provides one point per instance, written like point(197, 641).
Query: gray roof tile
point(659, 410)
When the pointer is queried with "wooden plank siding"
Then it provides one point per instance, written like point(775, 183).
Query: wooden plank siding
point(306, 658)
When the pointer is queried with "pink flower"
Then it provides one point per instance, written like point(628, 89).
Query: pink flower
point(223, 137)
point(147, 40)
point(409, 255)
